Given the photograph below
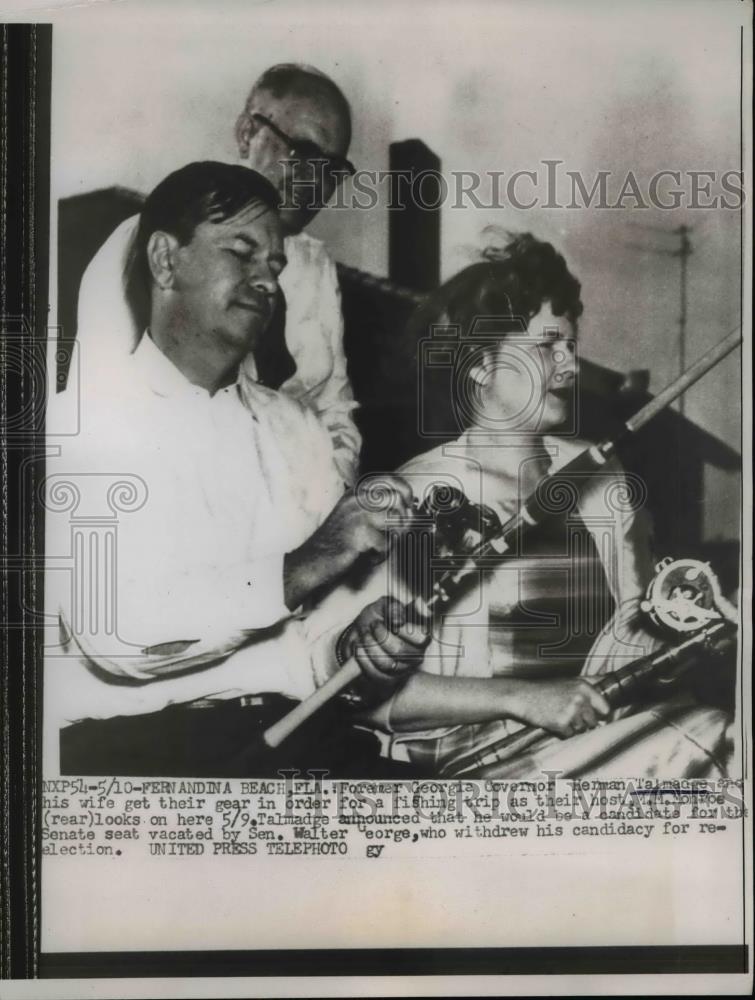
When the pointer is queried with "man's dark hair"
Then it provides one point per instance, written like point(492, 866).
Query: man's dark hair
point(199, 192)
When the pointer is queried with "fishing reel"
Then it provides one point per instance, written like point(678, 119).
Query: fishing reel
point(460, 527)
point(685, 596)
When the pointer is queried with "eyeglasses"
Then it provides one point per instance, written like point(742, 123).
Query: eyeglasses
point(335, 166)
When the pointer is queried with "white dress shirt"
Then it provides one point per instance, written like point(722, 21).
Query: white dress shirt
point(108, 332)
point(164, 602)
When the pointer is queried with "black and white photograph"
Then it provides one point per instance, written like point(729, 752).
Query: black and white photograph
point(391, 486)
point(301, 473)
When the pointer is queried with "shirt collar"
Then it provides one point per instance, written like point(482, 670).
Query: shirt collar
point(160, 374)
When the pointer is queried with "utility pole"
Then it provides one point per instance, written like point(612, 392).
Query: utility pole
point(683, 253)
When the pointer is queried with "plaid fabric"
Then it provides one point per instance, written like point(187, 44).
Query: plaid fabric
point(548, 603)
point(433, 751)
point(675, 739)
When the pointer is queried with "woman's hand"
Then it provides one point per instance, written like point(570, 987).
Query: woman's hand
point(564, 707)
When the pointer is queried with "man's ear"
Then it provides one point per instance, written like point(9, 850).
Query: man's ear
point(161, 255)
point(244, 132)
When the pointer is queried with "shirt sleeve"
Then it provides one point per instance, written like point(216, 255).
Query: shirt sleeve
point(128, 596)
point(619, 499)
point(630, 566)
point(314, 334)
point(203, 618)
point(335, 404)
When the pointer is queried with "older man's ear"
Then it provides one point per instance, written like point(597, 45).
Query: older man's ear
point(161, 255)
point(244, 132)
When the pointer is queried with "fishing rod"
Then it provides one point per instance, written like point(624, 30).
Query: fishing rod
point(684, 597)
point(497, 541)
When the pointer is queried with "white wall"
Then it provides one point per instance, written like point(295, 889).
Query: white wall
point(139, 90)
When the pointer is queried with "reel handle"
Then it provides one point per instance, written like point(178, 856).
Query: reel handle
point(685, 595)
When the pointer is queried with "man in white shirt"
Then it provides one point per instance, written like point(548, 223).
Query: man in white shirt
point(237, 514)
point(295, 129)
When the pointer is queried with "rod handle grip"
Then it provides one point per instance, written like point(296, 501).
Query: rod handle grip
point(290, 722)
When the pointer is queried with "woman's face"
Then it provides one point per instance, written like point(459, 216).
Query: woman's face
point(526, 384)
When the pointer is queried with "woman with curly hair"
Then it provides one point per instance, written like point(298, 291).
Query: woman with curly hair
point(517, 647)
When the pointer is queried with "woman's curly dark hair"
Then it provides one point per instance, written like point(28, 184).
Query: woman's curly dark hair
point(513, 282)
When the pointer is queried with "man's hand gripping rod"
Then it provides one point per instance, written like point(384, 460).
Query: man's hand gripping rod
point(530, 513)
